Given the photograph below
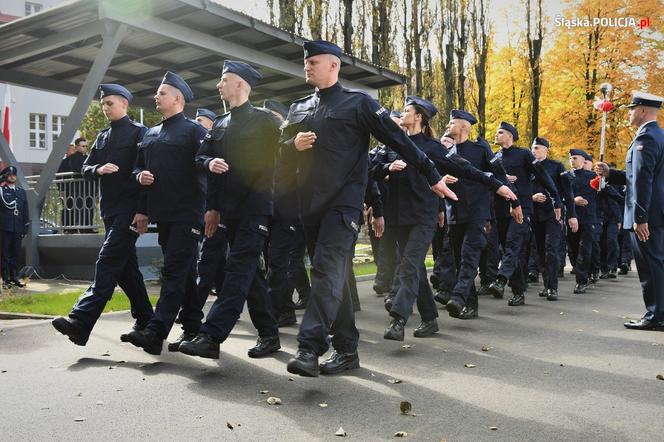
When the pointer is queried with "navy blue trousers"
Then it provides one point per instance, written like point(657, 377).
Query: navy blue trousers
point(116, 265)
point(490, 258)
point(244, 282)
point(411, 284)
point(547, 236)
point(468, 240)
point(514, 238)
point(179, 246)
point(330, 240)
point(649, 258)
point(282, 236)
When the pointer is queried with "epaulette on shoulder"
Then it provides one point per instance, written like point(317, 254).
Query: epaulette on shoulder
point(305, 98)
point(135, 123)
point(355, 91)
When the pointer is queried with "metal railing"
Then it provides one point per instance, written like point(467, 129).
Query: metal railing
point(71, 205)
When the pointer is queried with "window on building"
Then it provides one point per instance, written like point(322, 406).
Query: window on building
point(38, 131)
point(32, 8)
point(57, 123)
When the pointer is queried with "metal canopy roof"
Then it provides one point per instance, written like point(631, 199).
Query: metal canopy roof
point(55, 49)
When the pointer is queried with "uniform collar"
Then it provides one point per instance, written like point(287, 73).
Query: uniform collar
point(644, 125)
point(329, 90)
point(173, 119)
point(12, 186)
point(242, 109)
point(121, 122)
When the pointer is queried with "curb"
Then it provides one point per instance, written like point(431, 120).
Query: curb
point(12, 315)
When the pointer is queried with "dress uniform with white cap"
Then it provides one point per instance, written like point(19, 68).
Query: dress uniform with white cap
point(13, 225)
point(644, 200)
point(117, 263)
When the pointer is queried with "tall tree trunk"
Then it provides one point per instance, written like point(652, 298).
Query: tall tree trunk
point(446, 39)
point(287, 15)
point(348, 26)
point(480, 31)
point(462, 37)
point(535, 62)
point(417, 48)
point(315, 10)
point(408, 51)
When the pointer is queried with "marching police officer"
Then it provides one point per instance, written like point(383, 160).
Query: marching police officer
point(644, 177)
point(547, 221)
point(175, 201)
point(468, 217)
point(14, 222)
point(205, 117)
point(330, 130)
point(282, 228)
point(239, 151)
point(585, 199)
point(110, 163)
point(514, 232)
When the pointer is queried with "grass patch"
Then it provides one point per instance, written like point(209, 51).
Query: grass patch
point(60, 304)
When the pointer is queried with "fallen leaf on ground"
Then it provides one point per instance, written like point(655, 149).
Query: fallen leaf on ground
point(407, 346)
point(274, 400)
point(340, 432)
point(405, 407)
point(4, 371)
point(660, 377)
point(595, 311)
point(228, 424)
point(469, 365)
point(45, 408)
point(121, 362)
point(562, 365)
point(400, 434)
point(265, 391)
point(485, 348)
point(79, 419)
point(79, 395)
point(322, 405)
point(100, 403)
point(200, 416)
point(106, 354)
point(394, 381)
point(291, 379)
point(493, 428)
point(579, 329)
point(112, 367)
point(118, 389)
point(372, 375)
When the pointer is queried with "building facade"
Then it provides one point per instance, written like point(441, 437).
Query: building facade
point(36, 116)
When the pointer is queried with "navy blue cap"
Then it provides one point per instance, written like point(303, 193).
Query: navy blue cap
point(428, 106)
point(177, 82)
point(114, 89)
point(9, 170)
point(317, 47)
point(248, 74)
point(395, 114)
point(511, 129)
point(541, 141)
point(645, 99)
point(207, 113)
point(458, 114)
point(581, 153)
point(276, 106)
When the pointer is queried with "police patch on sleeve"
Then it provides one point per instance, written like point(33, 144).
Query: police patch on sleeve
point(381, 111)
point(639, 147)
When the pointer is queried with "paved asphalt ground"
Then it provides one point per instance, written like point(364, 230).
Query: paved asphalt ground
point(557, 371)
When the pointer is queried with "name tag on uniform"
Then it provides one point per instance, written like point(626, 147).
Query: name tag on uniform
point(195, 231)
point(262, 227)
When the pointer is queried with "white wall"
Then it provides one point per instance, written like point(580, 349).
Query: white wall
point(26, 101)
